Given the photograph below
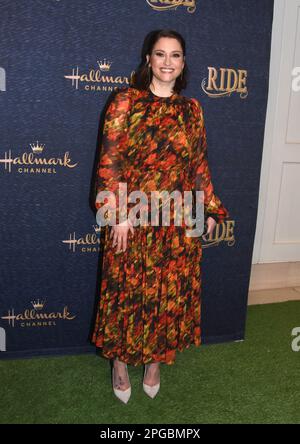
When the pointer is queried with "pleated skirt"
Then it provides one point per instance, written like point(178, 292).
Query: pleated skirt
point(150, 296)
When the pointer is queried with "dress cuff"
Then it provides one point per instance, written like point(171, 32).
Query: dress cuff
point(215, 216)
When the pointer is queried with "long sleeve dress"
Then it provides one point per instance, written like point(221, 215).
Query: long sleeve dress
point(150, 295)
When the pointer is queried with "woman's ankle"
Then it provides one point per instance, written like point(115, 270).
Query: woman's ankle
point(119, 363)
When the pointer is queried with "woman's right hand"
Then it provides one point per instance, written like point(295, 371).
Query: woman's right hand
point(120, 234)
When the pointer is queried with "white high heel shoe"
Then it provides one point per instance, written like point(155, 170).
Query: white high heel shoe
point(150, 390)
point(123, 395)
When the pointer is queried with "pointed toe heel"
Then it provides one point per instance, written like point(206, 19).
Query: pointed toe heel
point(148, 389)
point(123, 395)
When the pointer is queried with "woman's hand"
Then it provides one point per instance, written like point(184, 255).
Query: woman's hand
point(211, 223)
point(120, 234)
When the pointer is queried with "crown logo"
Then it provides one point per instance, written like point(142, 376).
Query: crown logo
point(38, 148)
point(38, 305)
point(97, 228)
point(104, 65)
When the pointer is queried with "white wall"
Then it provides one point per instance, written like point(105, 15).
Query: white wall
point(277, 237)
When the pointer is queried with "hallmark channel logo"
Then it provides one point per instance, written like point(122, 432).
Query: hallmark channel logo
point(89, 243)
point(34, 163)
point(222, 82)
point(37, 316)
point(163, 5)
point(97, 79)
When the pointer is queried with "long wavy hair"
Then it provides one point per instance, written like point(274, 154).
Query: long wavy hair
point(142, 77)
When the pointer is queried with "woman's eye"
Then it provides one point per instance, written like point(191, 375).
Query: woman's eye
point(160, 54)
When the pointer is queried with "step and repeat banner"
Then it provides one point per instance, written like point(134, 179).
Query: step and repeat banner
point(59, 62)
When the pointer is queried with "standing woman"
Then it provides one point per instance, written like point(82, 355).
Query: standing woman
point(150, 295)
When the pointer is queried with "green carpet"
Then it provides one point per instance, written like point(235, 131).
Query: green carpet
point(253, 381)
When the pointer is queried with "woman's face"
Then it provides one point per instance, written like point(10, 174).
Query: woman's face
point(167, 60)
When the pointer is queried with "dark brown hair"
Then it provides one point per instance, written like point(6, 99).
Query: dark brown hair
point(142, 77)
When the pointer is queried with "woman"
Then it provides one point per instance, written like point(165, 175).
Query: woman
point(153, 139)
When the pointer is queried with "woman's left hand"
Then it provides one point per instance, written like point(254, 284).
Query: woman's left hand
point(211, 223)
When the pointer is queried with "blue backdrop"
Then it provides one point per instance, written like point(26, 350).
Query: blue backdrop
point(59, 62)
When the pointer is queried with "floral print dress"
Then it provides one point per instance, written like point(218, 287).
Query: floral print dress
point(150, 295)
